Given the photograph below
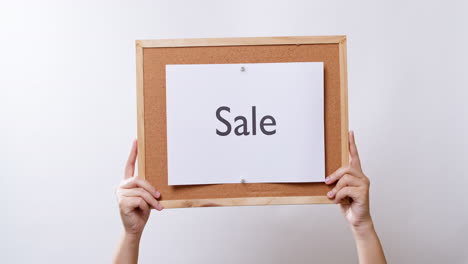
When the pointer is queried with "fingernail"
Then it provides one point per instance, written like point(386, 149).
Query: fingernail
point(330, 194)
point(157, 194)
point(159, 207)
point(327, 179)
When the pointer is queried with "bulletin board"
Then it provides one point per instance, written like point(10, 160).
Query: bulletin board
point(151, 59)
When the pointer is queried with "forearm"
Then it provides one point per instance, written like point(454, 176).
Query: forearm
point(127, 251)
point(368, 245)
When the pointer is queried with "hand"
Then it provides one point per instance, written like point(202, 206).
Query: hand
point(136, 198)
point(353, 184)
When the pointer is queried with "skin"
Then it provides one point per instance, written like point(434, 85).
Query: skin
point(352, 193)
point(136, 198)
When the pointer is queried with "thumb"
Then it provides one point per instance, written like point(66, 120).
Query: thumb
point(354, 160)
point(130, 166)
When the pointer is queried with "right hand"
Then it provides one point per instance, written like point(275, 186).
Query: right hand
point(136, 197)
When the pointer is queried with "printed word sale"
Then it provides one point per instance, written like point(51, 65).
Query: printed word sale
point(267, 123)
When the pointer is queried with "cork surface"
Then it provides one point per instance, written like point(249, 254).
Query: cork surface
point(154, 91)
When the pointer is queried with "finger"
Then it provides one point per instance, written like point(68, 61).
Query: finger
point(354, 160)
point(143, 206)
point(346, 180)
point(335, 176)
point(351, 192)
point(128, 204)
point(140, 192)
point(130, 166)
point(135, 182)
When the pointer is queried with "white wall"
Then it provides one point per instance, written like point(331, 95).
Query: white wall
point(67, 115)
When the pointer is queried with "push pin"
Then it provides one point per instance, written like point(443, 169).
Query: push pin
point(242, 180)
point(242, 69)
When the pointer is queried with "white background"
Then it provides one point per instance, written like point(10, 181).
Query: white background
point(68, 116)
point(291, 93)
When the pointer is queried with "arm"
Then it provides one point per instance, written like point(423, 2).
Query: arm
point(136, 198)
point(127, 251)
point(353, 186)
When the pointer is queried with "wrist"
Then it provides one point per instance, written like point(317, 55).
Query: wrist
point(128, 248)
point(363, 230)
point(132, 237)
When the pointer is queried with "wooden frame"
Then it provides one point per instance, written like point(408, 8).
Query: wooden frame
point(304, 40)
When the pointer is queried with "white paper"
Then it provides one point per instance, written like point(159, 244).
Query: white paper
point(292, 93)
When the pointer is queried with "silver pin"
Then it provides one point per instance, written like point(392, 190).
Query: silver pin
point(242, 180)
point(242, 69)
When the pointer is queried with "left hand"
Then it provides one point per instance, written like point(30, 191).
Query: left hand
point(352, 183)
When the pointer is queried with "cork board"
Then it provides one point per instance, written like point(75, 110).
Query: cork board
point(153, 55)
